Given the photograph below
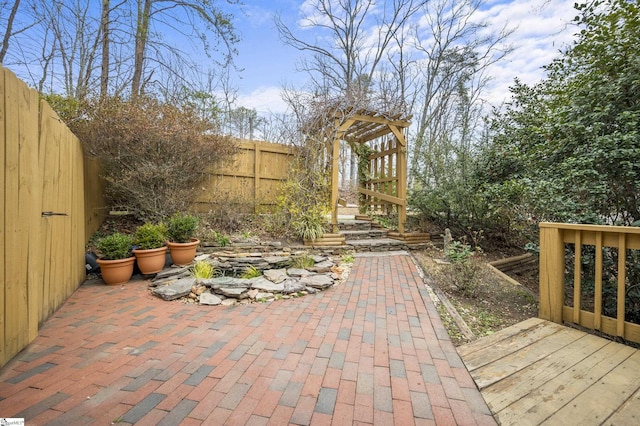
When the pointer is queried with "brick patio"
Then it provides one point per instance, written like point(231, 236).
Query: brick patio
point(370, 351)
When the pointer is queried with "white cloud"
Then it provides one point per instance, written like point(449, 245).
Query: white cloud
point(264, 99)
point(542, 29)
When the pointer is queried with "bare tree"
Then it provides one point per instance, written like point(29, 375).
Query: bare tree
point(202, 17)
point(353, 46)
point(8, 28)
point(455, 53)
point(105, 36)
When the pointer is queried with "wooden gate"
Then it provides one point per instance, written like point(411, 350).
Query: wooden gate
point(42, 214)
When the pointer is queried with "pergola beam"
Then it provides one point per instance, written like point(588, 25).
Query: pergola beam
point(360, 127)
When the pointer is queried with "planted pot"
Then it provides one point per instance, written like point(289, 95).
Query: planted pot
point(182, 254)
point(151, 261)
point(116, 262)
point(150, 248)
point(116, 272)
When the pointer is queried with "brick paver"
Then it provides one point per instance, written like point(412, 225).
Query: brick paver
point(370, 351)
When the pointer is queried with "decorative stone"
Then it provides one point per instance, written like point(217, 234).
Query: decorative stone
point(261, 283)
point(278, 261)
point(264, 296)
point(175, 290)
point(250, 260)
point(210, 299)
point(202, 257)
point(298, 272)
point(317, 281)
point(227, 282)
point(317, 259)
point(171, 272)
point(229, 302)
point(322, 267)
point(252, 293)
point(275, 275)
point(236, 293)
point(292, 286)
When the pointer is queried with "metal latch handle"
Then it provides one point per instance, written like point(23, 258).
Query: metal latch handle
point(47, 214)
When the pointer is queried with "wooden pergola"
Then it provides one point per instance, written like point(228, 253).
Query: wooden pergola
point(387, 186)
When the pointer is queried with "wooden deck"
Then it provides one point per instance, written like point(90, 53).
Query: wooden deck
point(538, 372)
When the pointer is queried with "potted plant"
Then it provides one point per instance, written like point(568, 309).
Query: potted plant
point(116, 261)
point(151, 249)
point(181, 230)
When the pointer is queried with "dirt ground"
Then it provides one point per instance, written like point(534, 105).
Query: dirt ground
point(486, 303)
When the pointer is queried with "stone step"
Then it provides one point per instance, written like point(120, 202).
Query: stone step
point(364, 234)
point(354, 225)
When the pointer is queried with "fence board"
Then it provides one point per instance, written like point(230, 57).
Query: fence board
point(47, 149)
point(250, 180)
point(41, 258)
point(16, 308)
point(4, 357)
point(30, 198)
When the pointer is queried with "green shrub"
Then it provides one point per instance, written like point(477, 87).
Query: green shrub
point(150, 236)
point(310, 225)
point(458, 252)
point(181, 228)
point(304, 196)
point(203, 270)
point(348, 258)
point(302, 262)
point(115, 246)
point(251, 272)
point(221, 240)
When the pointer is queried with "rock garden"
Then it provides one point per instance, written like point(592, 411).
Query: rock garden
point(239, 278)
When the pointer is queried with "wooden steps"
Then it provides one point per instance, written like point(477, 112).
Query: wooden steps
point(327, 240)
point(411, 237)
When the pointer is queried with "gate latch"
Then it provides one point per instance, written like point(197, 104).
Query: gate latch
point(47, 214)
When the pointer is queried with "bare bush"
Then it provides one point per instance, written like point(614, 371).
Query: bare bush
point(154, 154)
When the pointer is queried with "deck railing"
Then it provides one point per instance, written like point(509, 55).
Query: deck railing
point(590, 276)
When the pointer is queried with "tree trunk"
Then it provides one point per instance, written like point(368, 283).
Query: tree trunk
point(104, 68)
point(142, 35)
point(7, 33)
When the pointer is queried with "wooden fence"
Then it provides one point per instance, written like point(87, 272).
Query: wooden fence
point(589, 275)
point(250, 181)
point(42, 214)
point(380, 192)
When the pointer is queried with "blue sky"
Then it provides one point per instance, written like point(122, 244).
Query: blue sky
point(542, 29)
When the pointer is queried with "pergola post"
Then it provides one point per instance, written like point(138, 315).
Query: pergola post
point(401, 160)
point(335, 156)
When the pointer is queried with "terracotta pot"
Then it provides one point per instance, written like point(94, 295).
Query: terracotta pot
point(116, 272)
point(182, 254)
point(151, 261)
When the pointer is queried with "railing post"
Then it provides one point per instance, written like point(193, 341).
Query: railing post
point(551, 273)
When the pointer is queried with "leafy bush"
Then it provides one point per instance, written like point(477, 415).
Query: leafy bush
point(154, 154)
point(150, 236)
point(115, 246)
point(221, 239)
point(458, 252)
point(181, 227)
